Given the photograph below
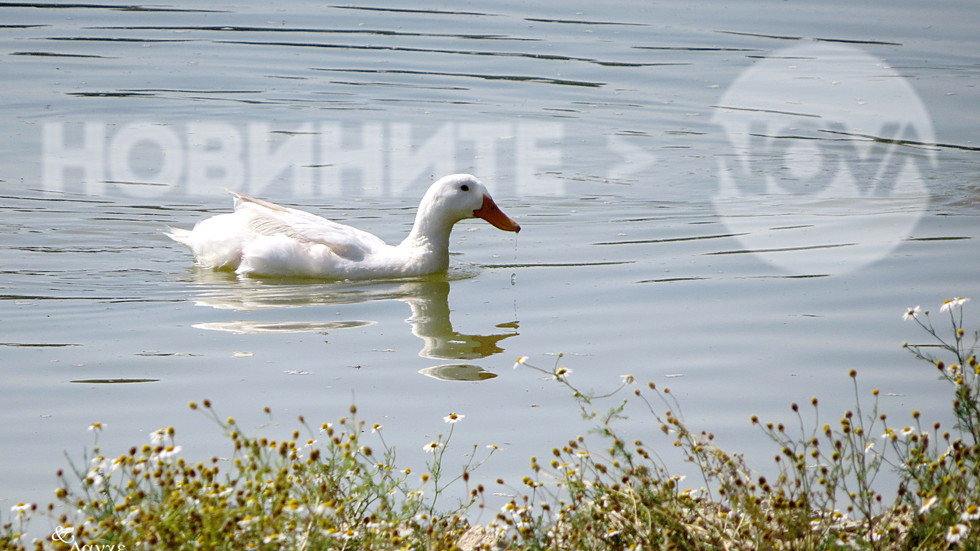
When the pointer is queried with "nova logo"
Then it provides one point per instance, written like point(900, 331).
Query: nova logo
point(829, 159)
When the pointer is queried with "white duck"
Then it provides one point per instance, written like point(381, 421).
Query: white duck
point(265, 239)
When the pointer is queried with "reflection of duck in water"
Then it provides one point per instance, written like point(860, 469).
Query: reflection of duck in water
point(428, 299)
point(265, 239)
point(430, 322)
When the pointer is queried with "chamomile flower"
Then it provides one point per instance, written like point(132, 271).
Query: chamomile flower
point(247, 522)
point(911, 313)
point(972, 512)
point(274, 538)
point(520, 361)
point(952, 303)
point(22, 508)
point(956, 532)
point(168, 453)
point(348, 534)
point(453, 418)
point(296, 509)
point(562, 372)
point(375, 428)
point(96, 427)
point(158, 436)
point(929, 503)
point(432, 446)
point(945, 455)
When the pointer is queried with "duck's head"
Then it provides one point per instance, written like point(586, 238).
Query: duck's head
point(461, 196)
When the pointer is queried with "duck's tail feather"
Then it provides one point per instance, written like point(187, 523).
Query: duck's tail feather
point(241, 198)
point(179, 235)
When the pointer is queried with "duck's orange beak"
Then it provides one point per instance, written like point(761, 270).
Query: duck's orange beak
point(492, 214)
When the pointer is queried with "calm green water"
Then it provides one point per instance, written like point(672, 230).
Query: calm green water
point(711, 200)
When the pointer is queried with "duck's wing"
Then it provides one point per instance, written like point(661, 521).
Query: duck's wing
point(265, 218)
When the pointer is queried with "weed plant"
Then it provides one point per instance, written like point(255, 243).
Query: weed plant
point(329, 488)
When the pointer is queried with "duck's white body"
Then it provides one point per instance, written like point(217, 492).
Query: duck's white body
point(265, 239)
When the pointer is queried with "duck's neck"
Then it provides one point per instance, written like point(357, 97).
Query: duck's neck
point(429, 238)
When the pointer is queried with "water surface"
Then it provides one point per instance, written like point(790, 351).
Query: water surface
point(601, 129)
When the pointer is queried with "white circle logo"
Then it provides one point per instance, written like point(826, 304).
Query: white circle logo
point(829, 159)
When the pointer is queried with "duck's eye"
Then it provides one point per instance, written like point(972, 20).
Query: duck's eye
point(464, 187)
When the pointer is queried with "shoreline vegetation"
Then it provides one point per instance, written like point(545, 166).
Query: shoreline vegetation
point(338, 485)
